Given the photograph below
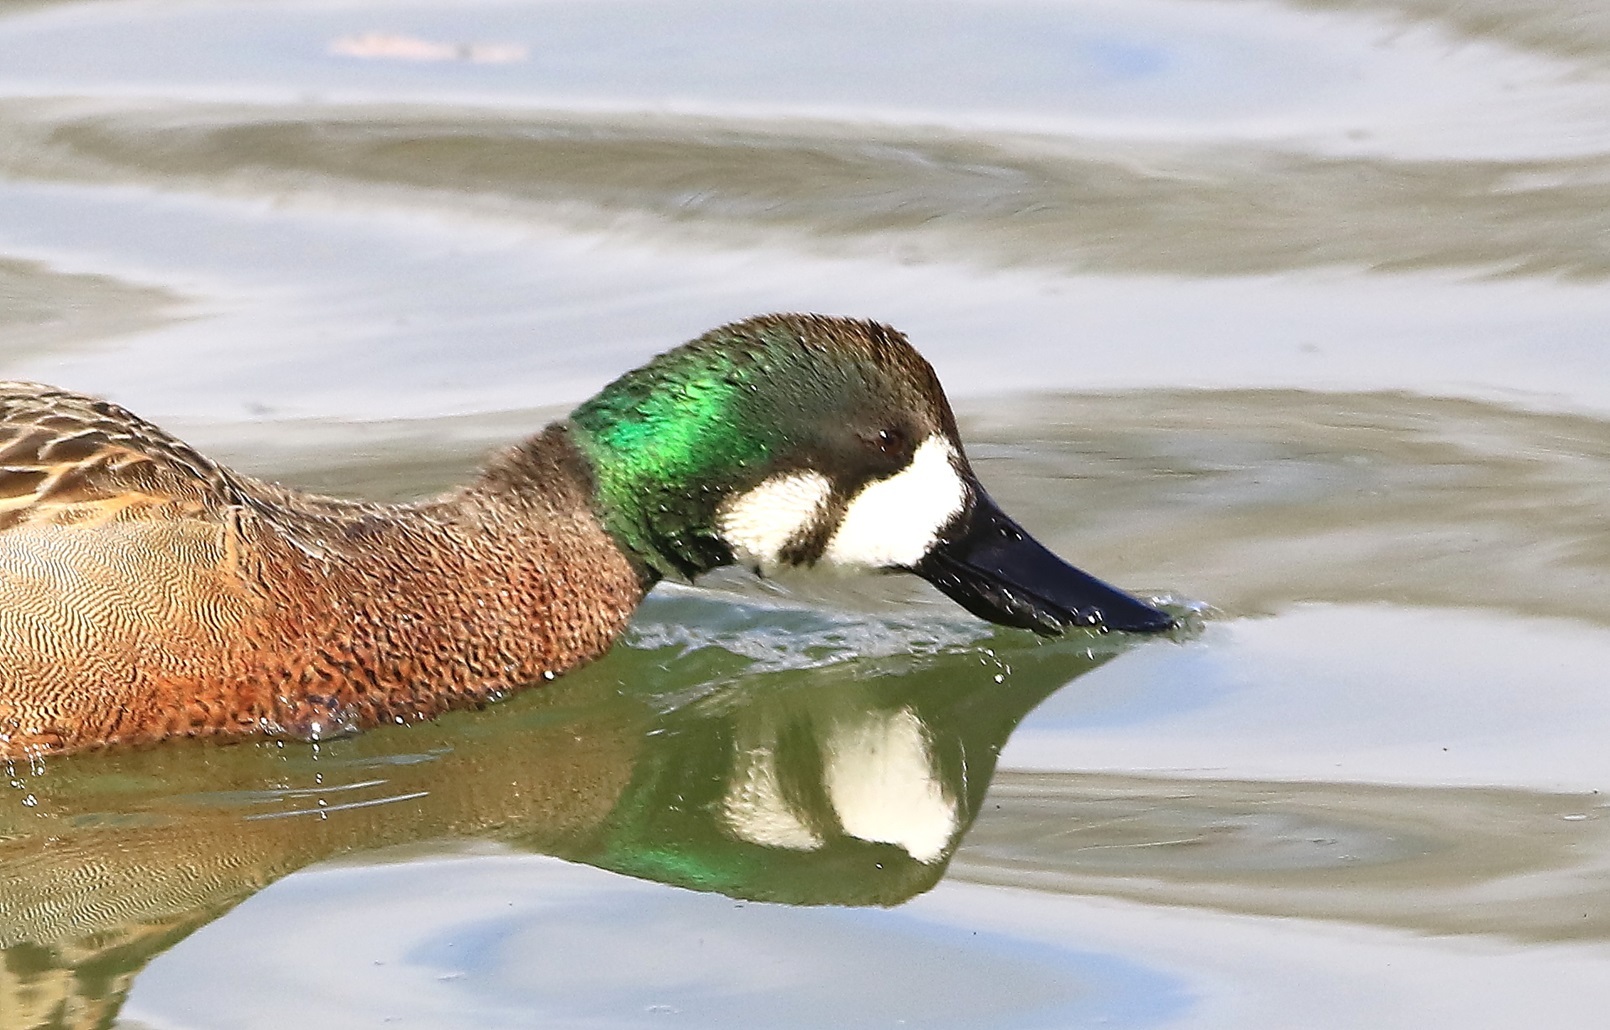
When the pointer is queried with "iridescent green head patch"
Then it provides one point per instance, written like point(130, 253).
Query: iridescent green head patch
point(670, 441)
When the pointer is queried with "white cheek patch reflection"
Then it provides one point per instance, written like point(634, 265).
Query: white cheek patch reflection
point(895, 521)
point(757, 525)
point(880, 776)
point(756, 809)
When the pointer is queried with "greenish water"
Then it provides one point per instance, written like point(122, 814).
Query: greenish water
point(1290, 314)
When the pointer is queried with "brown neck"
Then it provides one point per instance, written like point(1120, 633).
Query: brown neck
point(509, 581)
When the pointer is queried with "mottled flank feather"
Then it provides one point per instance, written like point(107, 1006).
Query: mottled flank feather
point(66, 458)
point(148, 592)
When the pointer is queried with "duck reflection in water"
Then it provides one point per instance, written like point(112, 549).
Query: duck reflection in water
point(826, 774)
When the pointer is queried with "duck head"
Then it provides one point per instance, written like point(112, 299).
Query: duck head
point(802, 440)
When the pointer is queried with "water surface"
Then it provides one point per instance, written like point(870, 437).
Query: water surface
point(1290, 314)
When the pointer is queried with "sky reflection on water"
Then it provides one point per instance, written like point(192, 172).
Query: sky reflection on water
point(505, 941)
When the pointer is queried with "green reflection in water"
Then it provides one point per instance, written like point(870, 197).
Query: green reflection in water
point(780, 754)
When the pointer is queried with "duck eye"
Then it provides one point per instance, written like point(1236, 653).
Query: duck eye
point(889, 441)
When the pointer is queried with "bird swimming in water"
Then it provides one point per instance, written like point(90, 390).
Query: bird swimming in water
point(147, 592)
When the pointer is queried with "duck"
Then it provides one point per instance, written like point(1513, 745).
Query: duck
point(148, 592)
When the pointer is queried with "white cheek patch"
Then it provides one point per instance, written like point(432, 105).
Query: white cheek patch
point(895, 521)
point(759, 524)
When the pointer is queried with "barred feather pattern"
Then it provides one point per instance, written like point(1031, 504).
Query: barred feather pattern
point(68, 458)
point(148, 592)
